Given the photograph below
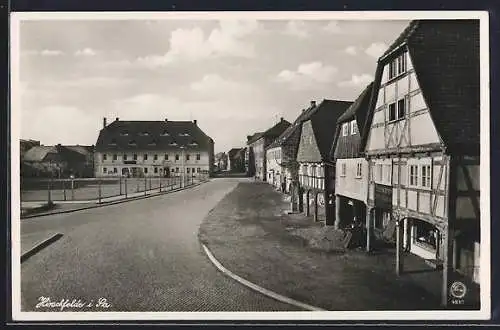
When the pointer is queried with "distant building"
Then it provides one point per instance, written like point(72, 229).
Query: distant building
point(236, 160)
point(153, 148)
point(257, 147)
point(57, 161)
point(282, 152)
point(351, 168)
point(316, 140)
point(422, 144)
point(221, 161)
point(249, 155)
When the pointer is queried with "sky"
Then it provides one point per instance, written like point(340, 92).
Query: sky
point(235, 77)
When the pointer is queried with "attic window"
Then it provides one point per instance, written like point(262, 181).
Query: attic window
point(132, 143)
point(183, 134)
point(152, 143)
point(124, 133)
point(173, 143)
point(193, 143)
point(144, 134)
point(113, 142)
point(165, 133)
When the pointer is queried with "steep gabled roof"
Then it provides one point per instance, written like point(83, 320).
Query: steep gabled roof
point(231, 153)
point(358, 111)
point(38, 153)
point(445, 56)
point(161, 135)
point(272, 132)
point(323, 119)
point(293, 129)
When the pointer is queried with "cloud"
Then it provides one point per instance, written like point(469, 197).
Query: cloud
point(85, 52)
point(307, 75)
point(297, 28)
point(332, 27)
point(193, 44)
point(357, 80)
point(44, 52)
point(73, 126)
point(351, 50)
point(376, 49)
point(217, 87)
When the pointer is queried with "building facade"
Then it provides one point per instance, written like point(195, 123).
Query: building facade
point(351, 168)
point(153, 148)
point(281, 154)
point(257, 145)
point(315, 176)
point(422, 146)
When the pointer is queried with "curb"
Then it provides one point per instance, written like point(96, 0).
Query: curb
point(39, 246)
point(255, 287)
point(124, 200)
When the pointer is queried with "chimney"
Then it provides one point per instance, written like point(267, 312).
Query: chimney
point(281, 119)
point(104, 122)
point(195, 121)
point(313, 103)
point(117, 119)
point(166, 119)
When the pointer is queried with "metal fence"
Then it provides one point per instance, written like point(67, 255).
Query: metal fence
point(101, 189)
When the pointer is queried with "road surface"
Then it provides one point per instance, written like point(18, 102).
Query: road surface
point(141, 255)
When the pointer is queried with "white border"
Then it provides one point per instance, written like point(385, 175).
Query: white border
point(483, 313)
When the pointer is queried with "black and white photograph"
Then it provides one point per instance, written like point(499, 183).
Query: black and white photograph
point(250, 165)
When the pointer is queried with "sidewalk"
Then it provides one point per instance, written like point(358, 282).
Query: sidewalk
point(42, 208)
point(251, 234)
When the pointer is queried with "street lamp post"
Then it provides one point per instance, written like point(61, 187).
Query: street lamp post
point(182, 167)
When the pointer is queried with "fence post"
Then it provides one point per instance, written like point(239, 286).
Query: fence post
point(126, 190)
point(120, 185)
point(64, 188)
point(160, 183)
point(49, 197)
point(100, 193)
point(138, 185)
point(145, 185)
point(72, 189)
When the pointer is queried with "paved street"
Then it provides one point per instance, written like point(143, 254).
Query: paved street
point(142, 255)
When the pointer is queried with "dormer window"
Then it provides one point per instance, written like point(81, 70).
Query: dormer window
point(183, 134)
point(144, 134)
point(165, 133)
point(124, 133)
point(172, 143)
point(113, 142)
point(152, 143)
point(132, 143)
point(193, 143)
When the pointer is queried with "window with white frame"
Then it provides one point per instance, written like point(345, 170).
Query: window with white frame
point(413, 175)
point(387, 174)
point(380, 172)
point(354, 127)
point(425, 176)
point(397, 66)
point(345, 129)
point(343, 169)
point(359, 170)
point(397, 110)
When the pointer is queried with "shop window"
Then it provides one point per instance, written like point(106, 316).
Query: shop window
point(425, 234)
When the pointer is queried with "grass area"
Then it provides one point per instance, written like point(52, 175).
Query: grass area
point(251, 234)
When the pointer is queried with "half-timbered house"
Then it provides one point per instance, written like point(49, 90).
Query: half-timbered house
point(351, 168)
point(316, 139)
point(422, 146)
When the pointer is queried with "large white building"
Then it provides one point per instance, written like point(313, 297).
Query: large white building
point(153, 148)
